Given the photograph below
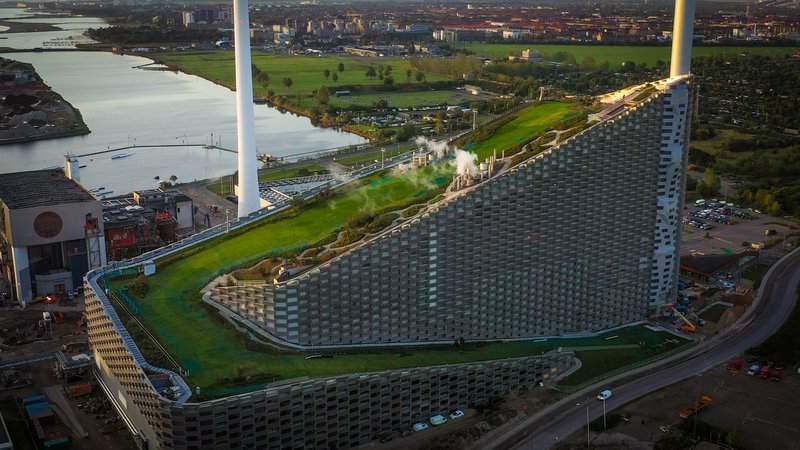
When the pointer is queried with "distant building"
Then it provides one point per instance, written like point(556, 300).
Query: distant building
point(50, 233)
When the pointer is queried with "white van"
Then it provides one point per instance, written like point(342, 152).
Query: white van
point(604, 395)
point(438, 420)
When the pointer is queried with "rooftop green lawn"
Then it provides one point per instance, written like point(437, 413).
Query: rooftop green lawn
point(306, 72)
point(615, 55)
point(211, 351)
point(529, 123)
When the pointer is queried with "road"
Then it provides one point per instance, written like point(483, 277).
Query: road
point(776, 299)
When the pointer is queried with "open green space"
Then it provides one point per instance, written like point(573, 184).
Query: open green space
point(530, 123)
point(615, 55)
point(306, 72)
point(403, 99)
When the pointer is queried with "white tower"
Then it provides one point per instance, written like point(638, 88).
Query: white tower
point(682, 35)
point(245, 123)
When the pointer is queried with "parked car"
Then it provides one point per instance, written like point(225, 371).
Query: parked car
point(753, 369)
point(604, 395)
point(438, 420)
point(457, 414)
point(419, 426)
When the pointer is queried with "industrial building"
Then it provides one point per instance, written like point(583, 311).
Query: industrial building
point(515, 256)
point(582, 236)
point(145, 220)
point(50, 233)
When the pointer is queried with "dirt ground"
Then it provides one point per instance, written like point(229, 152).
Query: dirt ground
point(762, 413)
point(22, 338)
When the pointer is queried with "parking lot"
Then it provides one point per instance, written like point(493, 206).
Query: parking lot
point(707, 231)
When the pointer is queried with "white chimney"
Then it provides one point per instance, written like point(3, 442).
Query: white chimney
point(682, 34)
point(245, 122)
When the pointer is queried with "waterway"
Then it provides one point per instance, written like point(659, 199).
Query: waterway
point(71, 33)
point(123, 105)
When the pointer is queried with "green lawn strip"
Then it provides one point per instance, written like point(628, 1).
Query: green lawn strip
point(306, 72)
point(288, 365)
point(719, 143)
point(172, 308)
point(401, 99)
point(615, 55)
point(528, 124)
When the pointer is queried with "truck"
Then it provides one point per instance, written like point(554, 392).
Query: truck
point(704, 402)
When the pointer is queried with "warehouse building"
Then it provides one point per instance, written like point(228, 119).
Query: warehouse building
point(50, 234)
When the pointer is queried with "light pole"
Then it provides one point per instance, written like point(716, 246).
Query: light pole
point(383, 155)
point(604, 414)
point(588, 442)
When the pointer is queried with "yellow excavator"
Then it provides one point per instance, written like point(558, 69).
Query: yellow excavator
point(688, 326)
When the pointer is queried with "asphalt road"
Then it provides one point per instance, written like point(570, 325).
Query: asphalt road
point(776, 301)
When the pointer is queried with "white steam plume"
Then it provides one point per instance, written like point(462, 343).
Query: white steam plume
point(465, 163)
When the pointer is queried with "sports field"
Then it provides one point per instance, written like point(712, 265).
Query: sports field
point(306, 72)
point(615, 55)
point(531, 122)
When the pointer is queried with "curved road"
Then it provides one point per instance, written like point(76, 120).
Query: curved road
point(775, 302)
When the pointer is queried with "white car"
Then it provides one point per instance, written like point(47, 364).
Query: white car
point(457, 414)
point(419, 426)
point(604, 395)
point(438, 420)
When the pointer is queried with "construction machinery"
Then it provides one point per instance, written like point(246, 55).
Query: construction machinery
point(704, 402)
point(688, 326)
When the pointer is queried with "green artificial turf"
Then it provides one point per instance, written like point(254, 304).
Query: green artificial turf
point(530, 123)
point(615, 55)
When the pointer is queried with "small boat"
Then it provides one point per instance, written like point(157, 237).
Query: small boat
point(82, 166)
point(98, 189)
point(104, 193)
point(121, 155)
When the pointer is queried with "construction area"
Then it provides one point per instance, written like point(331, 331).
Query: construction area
point(48, 395)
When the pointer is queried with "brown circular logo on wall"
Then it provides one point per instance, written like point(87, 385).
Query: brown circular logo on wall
point(47, 224)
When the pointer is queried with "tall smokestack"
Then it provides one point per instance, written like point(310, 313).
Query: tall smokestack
point(682, 33)
point(245, 123)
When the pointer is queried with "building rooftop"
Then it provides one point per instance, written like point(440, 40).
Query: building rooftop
point(40, 188)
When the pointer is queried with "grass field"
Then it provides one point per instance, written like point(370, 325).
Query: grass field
point(212, 351)
point(306, 72)
point(404, 99)
point(617, 54)
point(529, 123)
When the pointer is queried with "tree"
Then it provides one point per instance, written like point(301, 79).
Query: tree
point(774, 209)
point(323, 96)
point(288, 82)
point(173, 178)
point(327, 73)
point(409, 72)
point(340, 67)
point(388, 80)
point(420, 77)
point(371, 73)
point(335, 77)
point(710, 179)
